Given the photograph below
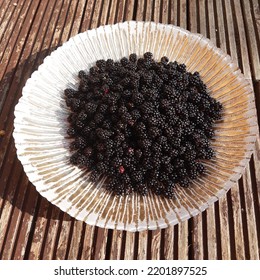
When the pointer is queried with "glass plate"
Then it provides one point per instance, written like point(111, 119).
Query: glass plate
point(41, 124)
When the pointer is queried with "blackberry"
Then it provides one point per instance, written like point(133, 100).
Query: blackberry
point(88, 151)
point(72, 131)
point(83, 86)
point(82, 161)
point(164, 60)
point(91, 107)
point(138, 153)
point(135, 114)
point(124, 61)
point(193, 174)
point(100, 147)
point(156, 162)
point(137, 98)
point(94, 175)
point(98, 118)
point(82, 116)
point(80, 142)
point(142, 189)
point(75, 105)
point(101, 64)
point(85, 131)
point(153, 132)
point(101, 167)
point(200, 168)
point(148, 55)
point(184, 182)
point(133, 57)
point(102, 133)
point(169, 192)
point(79, 124)
point(209, 132)
point(74, 158)
point(137, 176)
point(100, 157)
point(82, 74)
point(70, 93)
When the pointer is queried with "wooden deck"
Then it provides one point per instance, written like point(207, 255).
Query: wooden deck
point(32, 228)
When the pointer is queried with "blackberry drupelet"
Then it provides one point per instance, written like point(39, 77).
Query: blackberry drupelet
point(145, 125)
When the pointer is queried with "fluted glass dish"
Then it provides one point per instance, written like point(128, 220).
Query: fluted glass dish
point(41, 124)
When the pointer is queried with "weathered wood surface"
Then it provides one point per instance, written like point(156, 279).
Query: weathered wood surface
point(32, 228)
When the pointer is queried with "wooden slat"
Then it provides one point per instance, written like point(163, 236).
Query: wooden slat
point(5, 173)
point(142, 245)
point(52, 235)
point(63, 238)
point(129, 246)
point(74, 247)
point(202, 18)
point(88, 245)
point(165, 11)
point(173, 12)
point(149, 10)
point(130, 9)
point(65, 34)
point(22, 245)
point(231, 33)
point(168, 243)
point(243, 41)
point(11, 57)
point(156, 244)
point(211, 233)
point(121, 10)
point(7, 47)
point(183, 242)
point(89, 10)
point(75, 29)
point(140, 10)
point(256, 163)
point(96, 13)
point(40, 227)
point(197, 238)
point(221, 26)
point(116, 247)
point(11, 215)
point(212, 25)
point(157, 10)
point(104, 13)
point(250, 215)
point(238, 225)
point(193, 16)
point(112, 12)
point(183, 13)
point(224, 229)
point(3, 11)
point(9, 20)
point(101, 242)
point(252, 14)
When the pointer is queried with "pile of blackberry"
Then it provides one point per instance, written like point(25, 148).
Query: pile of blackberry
point(145, 125)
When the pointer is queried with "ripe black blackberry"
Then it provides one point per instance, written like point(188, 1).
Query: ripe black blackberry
point(144, 124)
